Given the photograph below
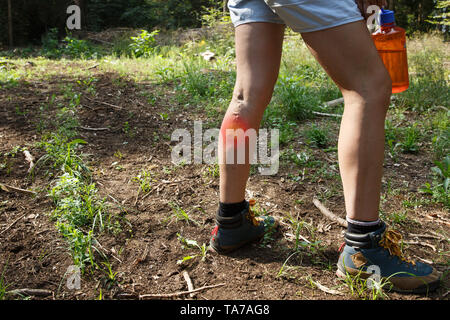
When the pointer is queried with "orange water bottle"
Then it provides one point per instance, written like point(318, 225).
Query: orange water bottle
point(390, 41)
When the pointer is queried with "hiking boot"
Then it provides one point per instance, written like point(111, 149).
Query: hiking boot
point(380, 251)
point(233, 232)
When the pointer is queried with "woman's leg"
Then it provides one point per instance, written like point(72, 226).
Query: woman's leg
point(258, 55)
point(348, 55)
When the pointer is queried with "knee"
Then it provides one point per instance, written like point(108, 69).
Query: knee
point(373, 93)
point(383, 84)
point(255, 95)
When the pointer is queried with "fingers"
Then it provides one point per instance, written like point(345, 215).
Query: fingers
point(364, 4)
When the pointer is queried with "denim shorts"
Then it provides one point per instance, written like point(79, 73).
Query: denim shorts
point(299, 15)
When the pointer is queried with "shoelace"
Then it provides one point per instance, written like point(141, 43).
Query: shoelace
point(391, 241)
point(251, 214)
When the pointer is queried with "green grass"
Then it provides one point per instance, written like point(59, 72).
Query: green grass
point(79, 213)
point(3, 285)
point(317, 136)
point(439, 187)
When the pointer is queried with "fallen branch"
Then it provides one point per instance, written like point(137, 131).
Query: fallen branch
point(189, 283)
point(437, 218)
point(31, 292)
point(15, 221)
point(330, 215)
point(94, 129)
point(325, 289)
point(105, 103)
point(421, 244)
point(429, 236)
point(334, 103)
point(8, 188)
point(327, 114)
point(180, 293)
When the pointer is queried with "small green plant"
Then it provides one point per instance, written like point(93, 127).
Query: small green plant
point(410, 141)
point(366, 288)
point(317, 136)
point(439, 188)
point(145, 180)
point(76, 48)
point(393, 148)
point(110, 275)
point(180, 214)
point(213, 171)
point(3, 285)
point(144, 44)
point(399, 218)
point(192, 244)
point(80, 244)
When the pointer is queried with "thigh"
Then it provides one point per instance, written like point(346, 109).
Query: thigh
point(348, 55)
point(258, 55)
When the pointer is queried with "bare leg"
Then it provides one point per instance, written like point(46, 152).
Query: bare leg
point(349, 56)
point(258, 55)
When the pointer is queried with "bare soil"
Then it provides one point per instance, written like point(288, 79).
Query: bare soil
point(34, 255)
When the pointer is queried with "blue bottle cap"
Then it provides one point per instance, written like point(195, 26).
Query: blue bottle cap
point(386, 16)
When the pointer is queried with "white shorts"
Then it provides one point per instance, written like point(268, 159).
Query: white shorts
point(299, 15)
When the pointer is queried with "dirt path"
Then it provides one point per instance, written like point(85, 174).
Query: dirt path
point(146, 252)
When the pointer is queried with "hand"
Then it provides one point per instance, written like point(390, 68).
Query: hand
point(364, 4)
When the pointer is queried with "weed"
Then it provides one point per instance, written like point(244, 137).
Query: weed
point(3, 285)
point(410, 141)
point(179, 214)
point(144, 44)
point(192, 244)
point(399, 218)
point(145, 180)
point(439, 188)
point(317, 136)
point(213, 170)
point(110, 275)
point(80, 244)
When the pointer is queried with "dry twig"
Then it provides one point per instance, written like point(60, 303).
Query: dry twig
point(189, 283)
point(325, 289)
point(31, 292)
point(330, 215)
point(8, 188)
point(15, 221)
point(105, 103)
point(180, 293)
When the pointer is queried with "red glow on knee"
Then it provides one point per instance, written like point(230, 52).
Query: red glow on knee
point(230, 129)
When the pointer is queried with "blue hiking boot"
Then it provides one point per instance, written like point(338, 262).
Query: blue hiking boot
point(232, 233)
point(379, 251)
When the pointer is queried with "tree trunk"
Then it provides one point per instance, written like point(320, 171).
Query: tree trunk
point(391, 5)
point(10, 24)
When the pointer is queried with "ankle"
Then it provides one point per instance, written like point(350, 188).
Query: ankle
point(231, 209)
point(362, 227)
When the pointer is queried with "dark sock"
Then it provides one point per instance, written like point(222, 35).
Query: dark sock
point(231, 209)
point(362, 229)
